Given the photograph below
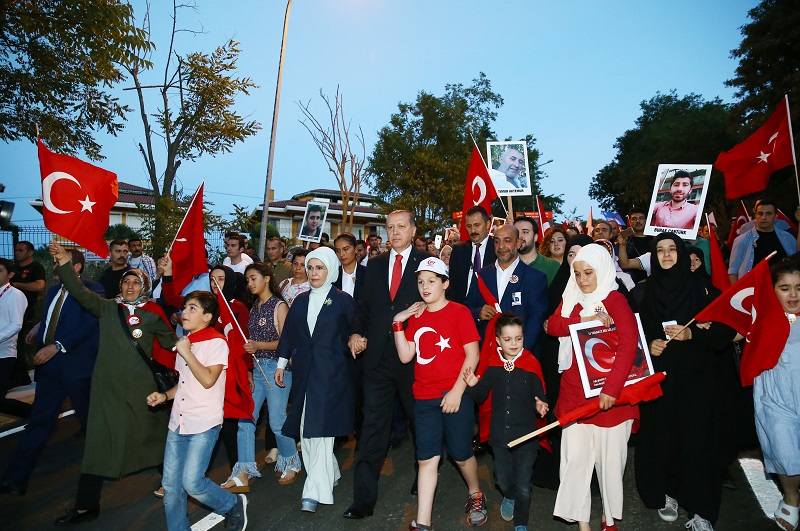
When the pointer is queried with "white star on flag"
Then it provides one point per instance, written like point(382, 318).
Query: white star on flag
point(443, 343)
point(763, 157)
point(87, 204)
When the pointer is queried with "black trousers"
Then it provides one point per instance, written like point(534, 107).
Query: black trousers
point(381, 384)
point(513, 469)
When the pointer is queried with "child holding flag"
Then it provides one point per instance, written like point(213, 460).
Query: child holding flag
point(441, 335)
point(516, 377)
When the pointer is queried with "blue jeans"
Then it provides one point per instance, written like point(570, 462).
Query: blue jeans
point(186, 459)
point(277, 399)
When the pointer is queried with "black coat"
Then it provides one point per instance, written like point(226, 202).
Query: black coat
point(461, 268)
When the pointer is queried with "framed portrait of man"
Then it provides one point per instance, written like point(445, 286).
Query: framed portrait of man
point(313, 221)
point(678, 197)
point(595, 349)
point(508, 167)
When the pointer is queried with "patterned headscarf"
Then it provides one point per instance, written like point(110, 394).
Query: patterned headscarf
point(143, 297)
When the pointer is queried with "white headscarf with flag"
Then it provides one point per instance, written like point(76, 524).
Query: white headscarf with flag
point(319, 295)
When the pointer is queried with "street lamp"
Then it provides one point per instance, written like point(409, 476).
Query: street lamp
point(262, 244)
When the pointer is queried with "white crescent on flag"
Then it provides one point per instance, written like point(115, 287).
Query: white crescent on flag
point(47, 186)
point(590, 355)
point(737, 301)
point(477, 181)
point(417, 335)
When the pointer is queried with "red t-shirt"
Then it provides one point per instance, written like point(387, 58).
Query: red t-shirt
point(439, 338)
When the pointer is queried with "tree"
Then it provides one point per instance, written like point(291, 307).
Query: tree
point(671, 129)
point(334, 144)
point(58, 62)
point(420, 159)
point(195, 117)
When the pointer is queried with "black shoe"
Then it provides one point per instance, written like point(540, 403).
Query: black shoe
point(357, 511)
point(396, 441)
point(480, 449)
point(13, 488)
point(414, 487)
point(74, 517)
point(236, 518)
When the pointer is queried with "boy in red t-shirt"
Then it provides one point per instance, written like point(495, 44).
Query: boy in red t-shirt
point(441, 335)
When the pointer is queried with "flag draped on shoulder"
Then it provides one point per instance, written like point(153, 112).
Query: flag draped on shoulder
point(78, 211)
point(748, 166)
point(188, 250)
point(751, 308)
point(238, 398)
point(479, 190)
point(544, 223)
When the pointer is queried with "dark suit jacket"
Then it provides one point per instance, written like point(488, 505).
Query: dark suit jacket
point(360, 272)
point(77, 330)
point(376, 309)
point(531, 305)
point(461, 268)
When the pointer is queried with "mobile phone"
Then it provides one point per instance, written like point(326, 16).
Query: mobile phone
point(626, 233)
point(664, 326)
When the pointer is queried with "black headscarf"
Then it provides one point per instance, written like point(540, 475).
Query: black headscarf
point(700, 271)
point(230, 288)
point(556, 289)
point(674, 293)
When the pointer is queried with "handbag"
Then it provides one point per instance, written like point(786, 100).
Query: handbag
point(164, 377)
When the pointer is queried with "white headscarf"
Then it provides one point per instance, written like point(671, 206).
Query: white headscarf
point(317, 297)
point(599, 259)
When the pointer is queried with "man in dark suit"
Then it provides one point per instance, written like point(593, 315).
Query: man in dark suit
point(463, 260)
point(524, 289)
point(67, 337)
point(390, 286)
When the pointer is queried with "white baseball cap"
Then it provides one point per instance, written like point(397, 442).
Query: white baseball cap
point(434, 265)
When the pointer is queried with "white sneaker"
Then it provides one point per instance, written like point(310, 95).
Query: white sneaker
point(699, 524)
point(669, 513)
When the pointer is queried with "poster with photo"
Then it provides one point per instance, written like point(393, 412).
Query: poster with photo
point(508, 167)
point(313, 221)
point(496, 223)
point(595, 349)
point(679, 194)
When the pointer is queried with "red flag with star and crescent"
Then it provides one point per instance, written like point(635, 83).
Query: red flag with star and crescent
point(742, 217)
point(479, 190)
point(188, 250)
point(77, 198)
point(751, 308)
point(749, 165)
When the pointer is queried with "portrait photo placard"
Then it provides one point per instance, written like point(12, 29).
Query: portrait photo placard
point(595, 349)
point(508, 167)
point(313, 222)
point(678, 197)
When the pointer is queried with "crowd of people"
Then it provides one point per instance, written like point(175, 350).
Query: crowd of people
point(468, 343)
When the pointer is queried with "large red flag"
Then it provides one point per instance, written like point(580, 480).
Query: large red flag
point(238, 398)
point(752, 309)
point(748, 166)
point(544, 223)
point(789, 221)
point(188, 250)
point(94, 190)
point(719, 272)
point(479, 190)
point(742, 217)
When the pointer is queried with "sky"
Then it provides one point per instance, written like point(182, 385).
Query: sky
point(572, 73)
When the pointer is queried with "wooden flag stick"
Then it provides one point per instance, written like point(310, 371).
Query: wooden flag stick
point(681, 330)
point(791, 143)
point(533, 434)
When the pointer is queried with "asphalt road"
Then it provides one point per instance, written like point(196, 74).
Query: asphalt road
point(129, 503)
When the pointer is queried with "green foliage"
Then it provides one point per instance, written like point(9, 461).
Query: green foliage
point(119, 231)
point(58, 60)
point(671, 129)
point(420, 160)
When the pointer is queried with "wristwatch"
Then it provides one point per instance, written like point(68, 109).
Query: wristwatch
point(59, 346)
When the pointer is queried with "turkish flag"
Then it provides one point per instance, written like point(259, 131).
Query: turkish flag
point(544, 223)
point(479, 190)
point(751, 308)
point(94, 190)
point(748, 166)
point(188, 250)
point(719, 272)
point(791, 223)
point(238, 398)
point(742, 217)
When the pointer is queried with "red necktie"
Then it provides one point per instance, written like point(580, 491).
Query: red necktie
point(397, 273)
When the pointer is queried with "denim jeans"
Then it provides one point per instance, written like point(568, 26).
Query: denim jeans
point(513, 470)
point(186, 459)
point(277, 399)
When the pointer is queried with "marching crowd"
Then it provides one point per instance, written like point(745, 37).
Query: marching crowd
point(466, 345)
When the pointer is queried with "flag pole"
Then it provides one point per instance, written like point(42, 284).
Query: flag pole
point(746, 212)
point(791, 143)
point(186, 214)
point(487, 171)
point(533, 434)
point(242, 332)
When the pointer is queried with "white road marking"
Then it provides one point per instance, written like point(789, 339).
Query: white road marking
point(18, 429)
point(765, 490)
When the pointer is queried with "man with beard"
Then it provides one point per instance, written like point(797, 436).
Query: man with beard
point(117, 265)
point(139, 260)
point(468, 257)
point(528, 244)
point(506, 176)
point(677, 213)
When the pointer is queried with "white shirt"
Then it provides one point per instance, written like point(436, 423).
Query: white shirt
point(241, 266)
point(472, 259)
point(503, 276)
point(12, 309)
point(52, 307)
point(349, 281)
point(405, 254)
